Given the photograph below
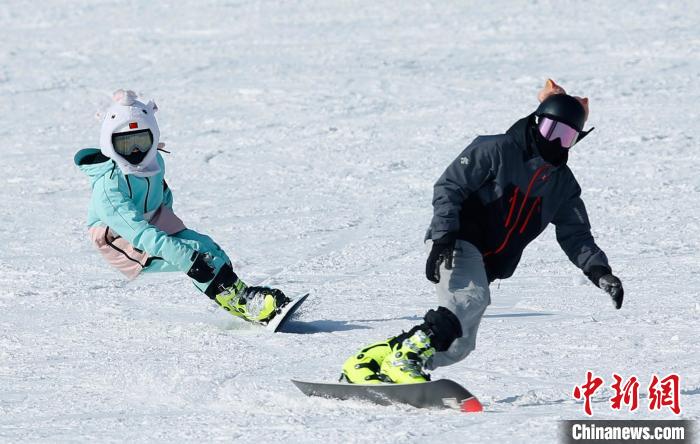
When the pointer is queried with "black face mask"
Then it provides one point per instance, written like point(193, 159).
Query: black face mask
point(136, 157)
point(550, 150)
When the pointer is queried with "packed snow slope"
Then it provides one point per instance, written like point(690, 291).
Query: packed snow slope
point(305, 137)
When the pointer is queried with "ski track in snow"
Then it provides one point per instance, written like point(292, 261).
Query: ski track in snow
point(305, 139)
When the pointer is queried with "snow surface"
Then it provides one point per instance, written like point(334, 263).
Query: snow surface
point(305, 139)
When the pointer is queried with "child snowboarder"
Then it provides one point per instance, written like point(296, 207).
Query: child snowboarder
point(499, 194)
point(131, 219)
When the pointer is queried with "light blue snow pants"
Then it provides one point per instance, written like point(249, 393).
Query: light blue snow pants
point(198, 241)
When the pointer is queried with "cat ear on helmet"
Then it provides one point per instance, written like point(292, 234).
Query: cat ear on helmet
point(550, 88)
point(584, 102)
point(124, 97)
point(152, 105)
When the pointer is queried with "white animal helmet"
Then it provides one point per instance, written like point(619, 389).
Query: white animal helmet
point(128, 115)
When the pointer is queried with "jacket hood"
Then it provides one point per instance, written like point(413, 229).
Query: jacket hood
point(92, 162)
point(520, 133)
point(127, 114)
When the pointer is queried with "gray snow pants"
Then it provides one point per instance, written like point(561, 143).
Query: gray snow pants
point(464, 290)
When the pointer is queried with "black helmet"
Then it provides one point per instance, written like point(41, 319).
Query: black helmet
point(563, 108)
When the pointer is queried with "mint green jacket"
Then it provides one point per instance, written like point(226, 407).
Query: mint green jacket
point(126, 203)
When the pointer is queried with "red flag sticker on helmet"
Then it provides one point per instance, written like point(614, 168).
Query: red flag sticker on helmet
point(133, 125)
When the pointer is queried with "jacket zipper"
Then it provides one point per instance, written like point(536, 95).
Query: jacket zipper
point(128, 183)
point(148, 189)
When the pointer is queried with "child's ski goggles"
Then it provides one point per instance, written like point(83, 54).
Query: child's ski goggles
point(131, 141)
point(552, 130)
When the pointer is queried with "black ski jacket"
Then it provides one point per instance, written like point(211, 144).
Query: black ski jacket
point(500, 194)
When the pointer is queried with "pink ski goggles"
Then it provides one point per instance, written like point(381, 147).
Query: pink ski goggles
point(552, 130)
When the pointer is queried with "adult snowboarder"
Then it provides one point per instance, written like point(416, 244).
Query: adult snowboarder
point(497, 196)
point(131, 219)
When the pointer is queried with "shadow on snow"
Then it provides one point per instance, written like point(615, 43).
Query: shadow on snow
point(324, 326)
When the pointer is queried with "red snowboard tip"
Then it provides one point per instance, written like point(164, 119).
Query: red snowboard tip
point(472, 405)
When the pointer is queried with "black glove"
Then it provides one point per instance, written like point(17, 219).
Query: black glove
point(612, 286)
point(201, 269)
point(442, 251)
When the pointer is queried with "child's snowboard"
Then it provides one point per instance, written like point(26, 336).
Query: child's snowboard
point(442, 393)
point(280, 320)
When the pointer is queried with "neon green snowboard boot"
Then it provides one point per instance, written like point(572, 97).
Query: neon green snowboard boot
point(404, 364)
point(363, 366)
point(254, 304)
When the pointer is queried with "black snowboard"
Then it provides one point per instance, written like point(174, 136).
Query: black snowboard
point(442, 393)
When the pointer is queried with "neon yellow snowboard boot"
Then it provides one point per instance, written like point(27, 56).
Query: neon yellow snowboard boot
point(404, 364)
point(363, 366)
point(254, 304)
